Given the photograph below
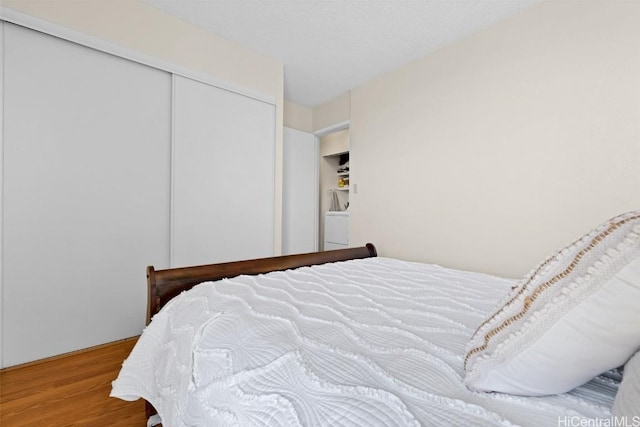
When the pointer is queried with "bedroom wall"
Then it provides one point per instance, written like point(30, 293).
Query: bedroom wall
point(493, 152)
point(338, 110)
point(298, 116)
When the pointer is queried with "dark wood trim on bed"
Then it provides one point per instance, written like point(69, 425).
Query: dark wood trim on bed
point(165, 284)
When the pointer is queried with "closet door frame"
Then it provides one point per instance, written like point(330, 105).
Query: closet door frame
point(321, 215)
point(33, 23)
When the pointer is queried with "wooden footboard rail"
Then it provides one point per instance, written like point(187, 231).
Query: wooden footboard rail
point(165, 284)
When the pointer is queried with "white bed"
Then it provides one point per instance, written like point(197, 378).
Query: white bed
point(365, 342)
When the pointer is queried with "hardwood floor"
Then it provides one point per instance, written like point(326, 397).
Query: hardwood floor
point(69, 390)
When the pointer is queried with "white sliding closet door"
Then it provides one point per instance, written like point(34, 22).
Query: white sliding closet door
point(223, 175)
point(86, 194)
point(300, 193)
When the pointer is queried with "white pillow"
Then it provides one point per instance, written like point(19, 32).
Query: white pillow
point(573, 317)
point(627, 402)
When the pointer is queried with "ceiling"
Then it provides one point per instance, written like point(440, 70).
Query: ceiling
point(331, 46)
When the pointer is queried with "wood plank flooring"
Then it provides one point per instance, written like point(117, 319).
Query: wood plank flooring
point(69, 390)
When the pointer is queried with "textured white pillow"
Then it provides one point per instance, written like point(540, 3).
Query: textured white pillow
point(627, 402)
point(573, 317)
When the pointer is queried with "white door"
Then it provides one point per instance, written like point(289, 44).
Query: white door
point(300, 193)
point(86, 194)
point(223, 175)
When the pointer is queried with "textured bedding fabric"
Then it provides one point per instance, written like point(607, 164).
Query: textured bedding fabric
point(372, 342)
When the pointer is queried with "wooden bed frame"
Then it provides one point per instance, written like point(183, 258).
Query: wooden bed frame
point(165, 284)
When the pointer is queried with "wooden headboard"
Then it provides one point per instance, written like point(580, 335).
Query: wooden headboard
point(166, 284)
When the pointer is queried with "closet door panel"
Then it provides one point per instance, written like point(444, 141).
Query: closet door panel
point(86, 194)
point(223, 175)
point(300, 192)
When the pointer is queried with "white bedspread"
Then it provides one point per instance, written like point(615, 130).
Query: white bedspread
point(373, 342)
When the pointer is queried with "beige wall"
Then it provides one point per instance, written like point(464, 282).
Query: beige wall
point(491, 153)
point(333, 112)
point(140, 27)
point(298, 116)
point(334, 143)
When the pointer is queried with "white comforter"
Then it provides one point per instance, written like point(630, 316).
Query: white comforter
point(373, 342)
